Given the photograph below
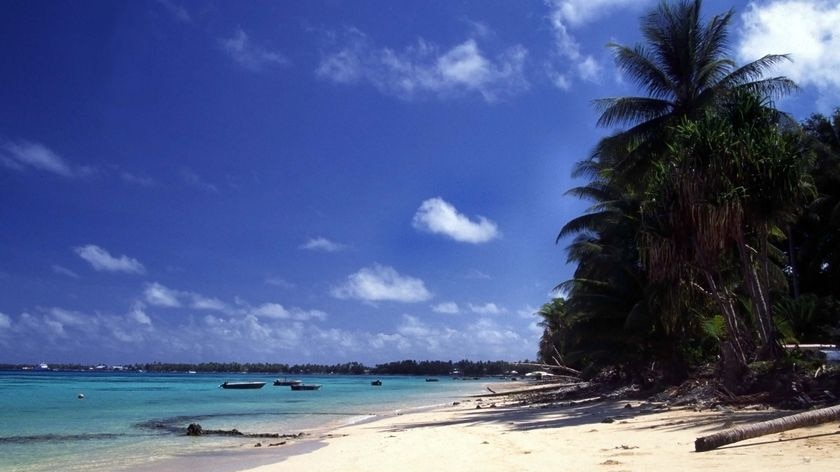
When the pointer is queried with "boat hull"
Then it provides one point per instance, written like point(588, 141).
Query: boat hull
point(242, 385)
point(305, 387)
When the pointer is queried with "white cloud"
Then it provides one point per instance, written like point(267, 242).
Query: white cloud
point(5, 321)
point(807, 30)
point(138, 314)
point(158, 295)
point(249, 55)
point(277, 311)
point(487, 309)
point(24, 154)
point(178, 12)
point(565, 15)
point(200, 302)
point(449, 308)
point(64, 271)
point(101, 260)
point(437, 216)
point(322, 244)
point(382, 283)
point(425, 69)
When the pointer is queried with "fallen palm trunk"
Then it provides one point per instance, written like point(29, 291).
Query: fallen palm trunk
point(799, 420)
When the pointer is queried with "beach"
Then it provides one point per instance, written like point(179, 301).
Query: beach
point(591, 436)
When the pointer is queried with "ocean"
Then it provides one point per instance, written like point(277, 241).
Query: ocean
point(136, 421)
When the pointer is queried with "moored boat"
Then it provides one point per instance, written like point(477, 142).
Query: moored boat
point(242, 385)
point(286, 382)
point(376, 383)
point(431, 380)
point(303, 386)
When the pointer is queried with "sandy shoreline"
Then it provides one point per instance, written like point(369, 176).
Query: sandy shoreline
point(508, 437)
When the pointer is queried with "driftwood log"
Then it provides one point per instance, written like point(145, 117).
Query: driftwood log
point(799, 420)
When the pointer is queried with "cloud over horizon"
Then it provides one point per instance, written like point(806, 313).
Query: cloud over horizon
point(322, 244)
point(437, 216)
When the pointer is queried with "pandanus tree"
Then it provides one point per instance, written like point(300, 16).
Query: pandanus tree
point(727, 180)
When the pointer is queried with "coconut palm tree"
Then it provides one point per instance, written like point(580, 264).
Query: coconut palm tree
point(684, 69)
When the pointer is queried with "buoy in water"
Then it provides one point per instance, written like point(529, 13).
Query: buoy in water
point(80, 396)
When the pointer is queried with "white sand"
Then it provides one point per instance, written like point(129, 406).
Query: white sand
point(514, 438)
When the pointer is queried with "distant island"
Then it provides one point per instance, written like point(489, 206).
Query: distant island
point(464, 368)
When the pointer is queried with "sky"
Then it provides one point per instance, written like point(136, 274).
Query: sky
point(313, 181)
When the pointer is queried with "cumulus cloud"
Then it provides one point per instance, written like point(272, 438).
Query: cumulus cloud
point(248, 54)
point(5, 321)
point(571, 61)
point(382, 283)
point(437, 216)
point(22, 155)
point(101, 260)
point(158, 295)
point(487, 309)
point(322, 244)
point(280, 282)
point(425, 68)
point(807, 30)
point(449, 308)
point(277, 311)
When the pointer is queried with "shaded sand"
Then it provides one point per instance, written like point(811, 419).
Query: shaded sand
point(575, 438)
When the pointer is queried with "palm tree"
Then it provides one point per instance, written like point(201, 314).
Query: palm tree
point(684, 69)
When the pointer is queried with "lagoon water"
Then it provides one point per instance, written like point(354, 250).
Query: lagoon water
point(136, 420)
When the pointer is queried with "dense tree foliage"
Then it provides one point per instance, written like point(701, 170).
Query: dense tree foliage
point(714, 225)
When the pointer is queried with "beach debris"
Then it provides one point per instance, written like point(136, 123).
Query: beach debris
point(799, 420)
point(258, 445)
point(484, 442)
point(456, 403)
point(478, 407)
point(276, 444)
point(608, 420)
point(491, 390)
point(610, 462)
point(626, 447)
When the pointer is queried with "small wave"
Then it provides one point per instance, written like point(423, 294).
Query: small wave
point(58, 437)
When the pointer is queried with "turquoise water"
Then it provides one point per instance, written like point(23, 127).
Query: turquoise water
point(128, 420)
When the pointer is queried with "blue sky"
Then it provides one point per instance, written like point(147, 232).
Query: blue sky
point(312, 181)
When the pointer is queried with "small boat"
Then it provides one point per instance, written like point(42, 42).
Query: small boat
point(431, 380)
point(286, 382)
point(242, 385)
point(303, 386)
point(376, 383)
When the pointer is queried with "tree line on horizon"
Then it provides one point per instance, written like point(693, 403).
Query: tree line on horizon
point(714, 230)
point(464, 367)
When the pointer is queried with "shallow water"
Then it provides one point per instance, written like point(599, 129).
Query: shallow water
point(133, 419)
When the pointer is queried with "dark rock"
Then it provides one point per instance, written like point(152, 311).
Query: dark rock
point(194, 429)
point(258, 445)
point(608, 420)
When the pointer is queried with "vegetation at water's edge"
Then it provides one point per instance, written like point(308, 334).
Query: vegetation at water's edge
point(714, 231)
point(406, 367)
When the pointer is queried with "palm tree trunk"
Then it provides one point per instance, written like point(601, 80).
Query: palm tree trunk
point(799, 420)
